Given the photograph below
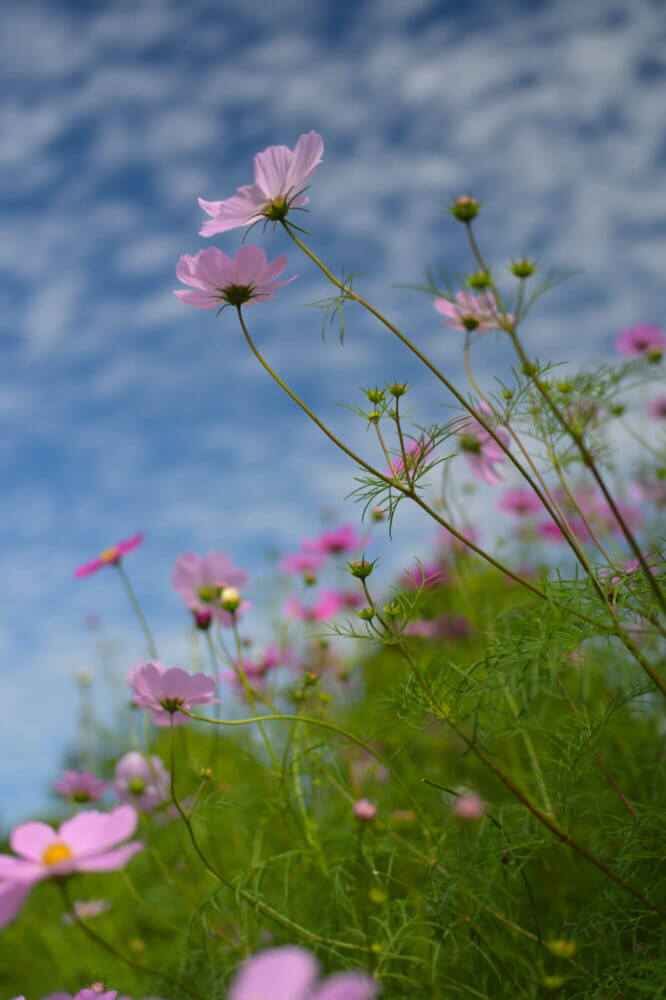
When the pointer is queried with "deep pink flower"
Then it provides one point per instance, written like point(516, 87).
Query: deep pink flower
point(428, 575)
point(303, 562)
point(201, 579)
point(142, 782)
point(80, 786)
point(520, 501)
point(657, 408)
point(342, 539)
point(290, 973)
point(86, 843)
point(471, 312)
point(217, 280)
point(482, 451)
point(110, 557)
point(280, 174)
point(417, 452)
point(640, 340)
point(165, 690)
point(468, 806)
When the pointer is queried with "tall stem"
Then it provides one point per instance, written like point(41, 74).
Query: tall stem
point(249, 695)
point(152, 648)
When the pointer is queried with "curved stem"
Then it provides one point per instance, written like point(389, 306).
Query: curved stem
point(152, 648)
point(94, 936)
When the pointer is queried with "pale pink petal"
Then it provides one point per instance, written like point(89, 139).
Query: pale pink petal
point(241, 209)
point(18, 869)
point(447, 308)
point(12, 897)
point(198, 299)
point(273, 269)
point(287, 973)
point(249, 262)
point(347, 986)
point(30, 840)
point(270, 170)
point(110, 860)
point(307, 156)
point(89, 833)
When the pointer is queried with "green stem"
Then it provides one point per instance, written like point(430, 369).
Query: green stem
point(152, 648)
point(250, 695)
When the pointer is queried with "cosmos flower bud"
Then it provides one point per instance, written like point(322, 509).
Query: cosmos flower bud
point(398, 389)
point(202, 619)
point(365, 811)
point(464, 208)
point(366, 614)
point(378, 514)
point(481, 280)
point(375, 395)
point(361, 568)
point(230, 599)
point(523, 268)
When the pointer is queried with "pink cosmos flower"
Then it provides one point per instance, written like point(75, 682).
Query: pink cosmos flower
point(86, 843)
point(445, 626)
point(329, 604)
point(142, 782)
point(303, 562)
point(468, 806)
point(80, 786)
point(640, 340)
point(365, 811)
point(111, 557)
point(342, 539)
point(425, 575)
point(201, 579)
point(290, 973)
point(481, 450)
point(417, 452)
point(520, 501)
point(217, 280)
point(471, 312)
point(165, 690)
point(280, 174)
point(657, 408)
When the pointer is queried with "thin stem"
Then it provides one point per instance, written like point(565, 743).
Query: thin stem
point(384, 449)
point(94, 936)
point(248, 693)
point(402, 443)
point(152, 648)
point(216, 669)
point(414, 496)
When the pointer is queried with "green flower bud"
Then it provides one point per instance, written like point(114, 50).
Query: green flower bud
point(366, 614)
point(654, 355)
point(480, 280)
point(618, 409)
point(230, 599)
point(508, 394)
point(374, 417)
point(398, 389)
point(464, 208)
point(392, 609)
point(523, 268)
point(361, 568)
point(375, 395)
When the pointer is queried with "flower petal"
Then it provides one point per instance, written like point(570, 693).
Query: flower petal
point(287, 973)
point(91, 832)
point(30, 840)
point(110, 860)
point(271, 168)
point(347, 986)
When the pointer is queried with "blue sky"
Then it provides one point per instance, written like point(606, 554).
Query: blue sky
point(122, 410)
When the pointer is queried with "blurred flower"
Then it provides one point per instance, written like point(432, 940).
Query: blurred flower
point(468, 806)
point(141, 781)
point(365, 811)
point(290, 973)
point(657, 408)
point(640, 340)
point(217, 280)
point(111, 557)
point(445, 626)
point(342, 539)
point(80, 786)
point(86, 910)
point(416, 453)
point(200, 581)
point(481, 450)
point(165, 690)
point(520, 501)
point(280, 174)
point(303, 562)
point(329, 604)
point(85, 843)
point(470, 312)
point(468, 531)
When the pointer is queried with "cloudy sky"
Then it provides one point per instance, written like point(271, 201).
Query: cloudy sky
point(123, 410)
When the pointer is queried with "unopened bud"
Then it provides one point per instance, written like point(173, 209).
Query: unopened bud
point(205, 773)
point(230, 599)
point(480, 280)
point(365, 811)
point(309, 578)
point(366, 614)
point(361, 568)
point(654, 354)
point(618, 410)
point(523, 268)
point(202, 619)
point(375, 395)
point(378, 514)
point(398, 389)
point(508, 394)
point(374, 417)
point(392, 609)
point(464, 208)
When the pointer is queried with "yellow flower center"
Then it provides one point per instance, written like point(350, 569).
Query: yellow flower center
point(110, 554)
point(56, 853)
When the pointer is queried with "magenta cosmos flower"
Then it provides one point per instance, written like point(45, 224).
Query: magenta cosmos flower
point(471, 312)
point(165, 690)
point(291, 973)
point(217, 280)
point(342, 539)
point(482, 451)
point(86, 843)
point(201, 579)
point(640, 341)
point(111, 557)
point(80, 786)
point(657, 408)
point(280, 174)
point(520, 501)
point(144, 782)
